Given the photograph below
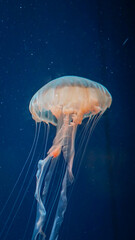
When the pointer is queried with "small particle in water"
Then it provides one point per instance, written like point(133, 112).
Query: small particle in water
point(125, 42)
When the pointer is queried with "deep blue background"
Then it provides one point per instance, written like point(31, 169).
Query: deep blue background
point(39, 41)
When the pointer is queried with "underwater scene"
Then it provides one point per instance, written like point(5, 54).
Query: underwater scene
point(67, 166)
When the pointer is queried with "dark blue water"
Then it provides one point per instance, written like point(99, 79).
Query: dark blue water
point(42, 40)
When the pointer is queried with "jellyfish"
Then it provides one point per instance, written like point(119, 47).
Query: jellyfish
point(64, 103)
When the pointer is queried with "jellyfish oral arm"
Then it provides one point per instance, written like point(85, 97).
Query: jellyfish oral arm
point(41, 211)
point(68, 150)
point(64, 141)
point(62, 205)
point(56, 152)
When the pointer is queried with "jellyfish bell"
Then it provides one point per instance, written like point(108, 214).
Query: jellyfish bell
point(63, 102)
point(69, 95)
